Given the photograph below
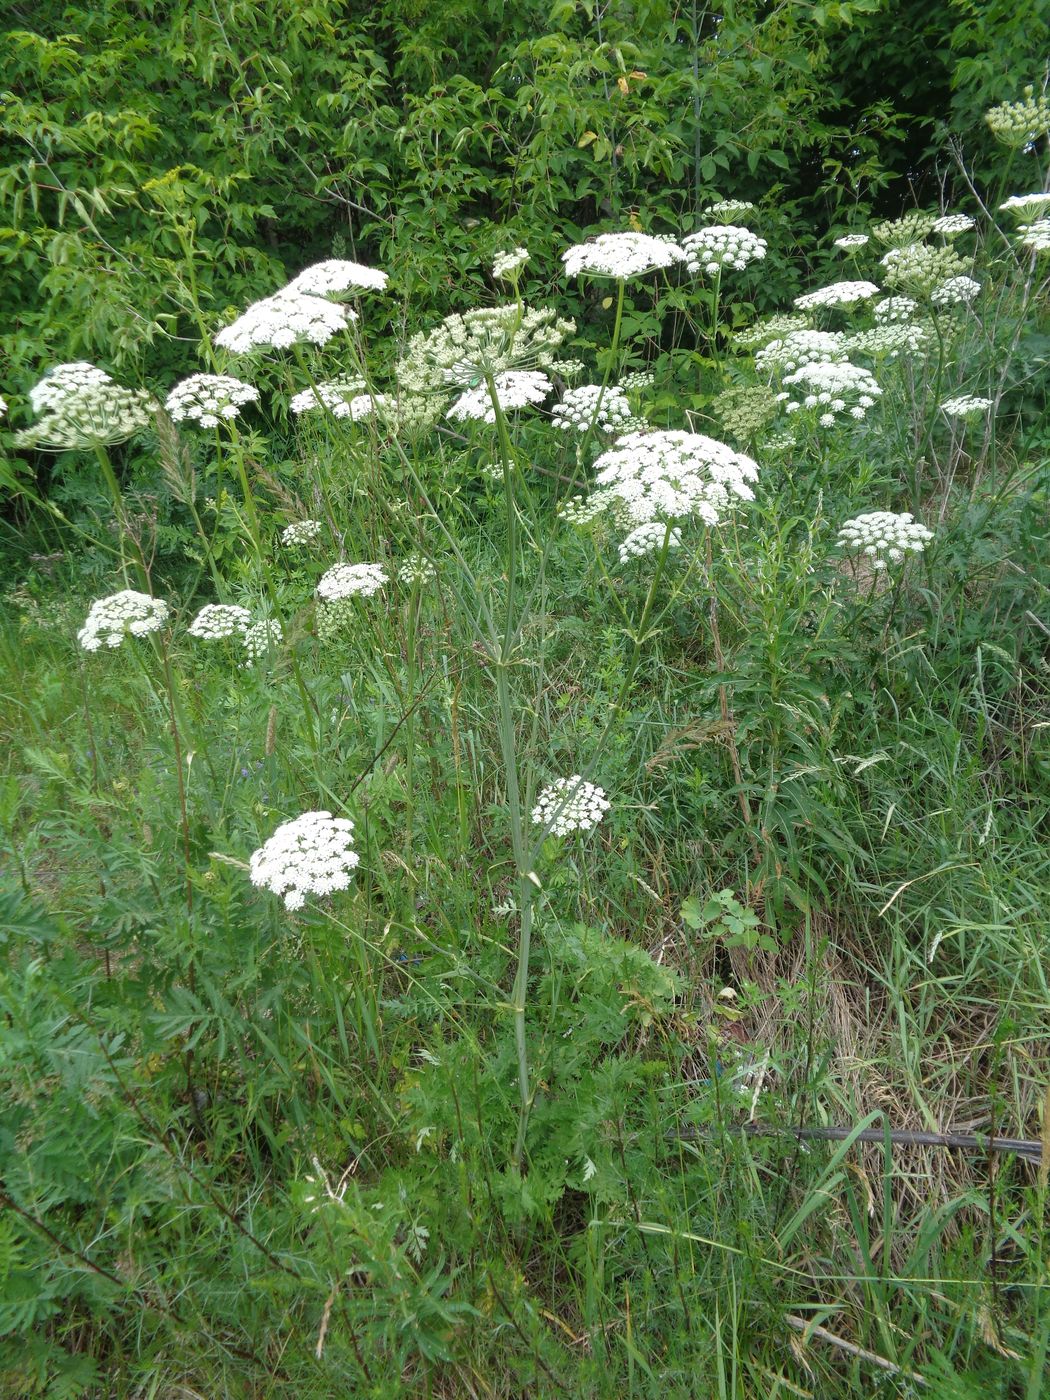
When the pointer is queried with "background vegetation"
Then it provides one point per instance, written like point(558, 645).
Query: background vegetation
point(248, 1154)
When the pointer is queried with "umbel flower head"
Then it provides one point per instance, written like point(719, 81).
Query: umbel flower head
point(949, 225)
point(515, 388)
point(832, 388)
point(837, 294)
point(64, 382)
point(508, 265)
point(648, 539)
point(674, 475)
point(216, 621)
point(261, 638)
point(887, 342)
point(798, 349)
point(416, 568)
point(909, 228)
point(621, 255)
point(337, 279)
point(570, 804)
point(745, 411)
point(893, 311)
point(1023, 206)
point(885, 537)
point(285, 319)
point(122, 614)
point(770, 328)
point(610, 411)
point(300, 532)
point(209, 399)
point(314, 854)
point(333, 395)
point(919, 269)
point(955, 291)
point(851, 240)
point(730, 208)
point(1035, 236)
point(350, 581)
point(466, 348)
point(97, 414)
point(1018, 124)
point(710, 250)
point(966, 406)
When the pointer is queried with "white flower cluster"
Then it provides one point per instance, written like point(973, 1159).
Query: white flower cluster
point(336, 278)
point(887, 342)
point(111, 619)
point(97, 414)
point(730, 206)
point(722, 246)
point(966, 406)
point(948, 225)
point(885, 537)
point(648, 539)
point(216, 621)
point(261, 638)
point(490, 340)
point(569, 805)
point(956, 291)
point(314, 854)
point(507, 264)
point(892, 311)
point(621, 255)
point(584, 510)
point(1025, 205)
point(65, 382)
point(674, 475)
point(833, 388)
point(918, 268)
point(800, 348)
point(300, 532)
point(284, 319)
point(515, 388)
point(576, 412)
point(1018, 124)
point(333, 395)
point(3, 407)
point(636, 380)
point(837, 294)
point(1036, 236)
point(417, 568)
point(852, 240)
point(351, 580)
point(209, 399)
point(771, 328)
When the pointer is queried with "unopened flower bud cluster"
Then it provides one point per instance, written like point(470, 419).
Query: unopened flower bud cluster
point(507, 264)
point(488, 341)
point(261, 638)
point(710, 250)
point(771, 328)
point(909, 228)
point(1018, 124)
point(416, 568)
point(569, 805)
point(209, 399)
point(887, 342)
point(744, 412)
point(885, 537)
point(920, 269)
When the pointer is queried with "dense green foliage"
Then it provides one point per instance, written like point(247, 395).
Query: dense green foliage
point(473, 1125)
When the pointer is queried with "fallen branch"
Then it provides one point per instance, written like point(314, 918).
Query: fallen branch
point(897, 1137)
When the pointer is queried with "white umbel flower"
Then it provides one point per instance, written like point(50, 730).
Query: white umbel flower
point(836, 388)
point(648, 539)
point(350, 581)
point(730, 207)
point(64, 382)
point(851, 240)
point(209, 399)
point(510, 263)
point(337, 278)
point(417, 568)
point(576, 412)
point(621, 255)
point(955, 291)
point(1035, 236)
point(98, 414)
point(122, 614)
point(314, 854)
point(285, 319)
point(674, 475)
point(837, 294)
point(261, 638)
point(884, 537)
point(569, 805)
point(300, 532)
point(893, 311)
point(489, 340)
point(710, 250)
point(1025, 205)
point(798, 349)
point(515, 388)
point(770, 328)
point(216, 621)
point(948, 225)
point(966, 406)
point(333, 395)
